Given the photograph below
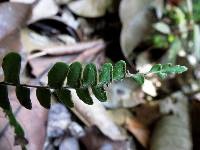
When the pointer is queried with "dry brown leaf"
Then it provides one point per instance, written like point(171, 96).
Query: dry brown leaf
point(138, 129)
point(147, 113)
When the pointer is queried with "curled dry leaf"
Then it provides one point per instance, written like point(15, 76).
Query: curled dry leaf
point(136, 23)
point(90, 8)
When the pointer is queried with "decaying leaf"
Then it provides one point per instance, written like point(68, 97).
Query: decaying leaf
point(173, 129)
point(124, 117)
point(136, 23)
point(96, 115)
point(90, 8)
point(44, 9)
point(15, 17)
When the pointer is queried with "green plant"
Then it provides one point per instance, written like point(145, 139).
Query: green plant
point(78, 78)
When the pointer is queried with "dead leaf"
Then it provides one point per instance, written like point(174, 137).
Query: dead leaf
point(15, 17)
point(136, 24)
point(96, 115)
point(147, 113)
point(60, 2)
point(46, 62)
point(172, 130)
point(24, 1)
point(90, 8)
point(34, 130)
point(66, 49)
point(44, 9)
point(94, 140)
point(123, 117)
point(138, 129)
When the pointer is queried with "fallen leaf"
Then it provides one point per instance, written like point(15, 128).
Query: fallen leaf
point(66, 49)
point(95, 140)
point(136, 24)
point(43, 9)
point(15, 17)
point(172, 130)
point(139, 130)
point(24, 1)
point(96, 115)
point(90, 8)
point(124, 117)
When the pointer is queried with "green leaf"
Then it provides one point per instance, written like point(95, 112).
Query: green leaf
point(23, 95)
point(74, 75)
point(139, 78)
point(89, 75)
point(156, 68)
point(119, 70)
point(4, 100)
point(57, 75)
point(99, 93)
point(167, 68)
point(44, 97)
point(11, 66)
point(84, 95)
point(19, 132)
point(106, 74)
point(161, 75)
point(163, 70)
point(64, 95)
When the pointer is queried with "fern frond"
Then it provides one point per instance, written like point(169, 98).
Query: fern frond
point(77, 77)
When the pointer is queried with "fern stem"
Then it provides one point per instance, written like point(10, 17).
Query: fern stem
point(30, 86)
point(25, 85)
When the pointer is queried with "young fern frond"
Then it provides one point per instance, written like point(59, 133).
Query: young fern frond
point(77, 77)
